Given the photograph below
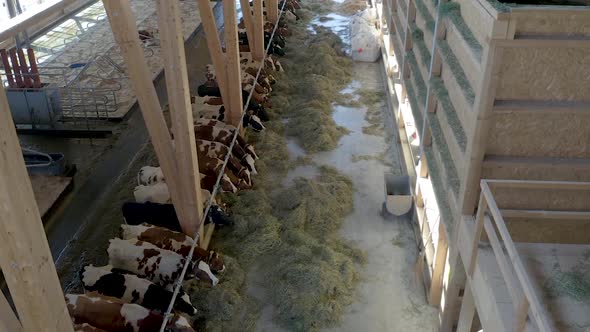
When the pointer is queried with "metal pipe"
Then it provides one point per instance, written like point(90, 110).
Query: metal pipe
point(34, 68)
point(24, 69)
point(7, 69)
point(16, 67)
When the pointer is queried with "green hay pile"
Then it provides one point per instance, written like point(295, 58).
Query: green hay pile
point(452, 11)
point(572, 284)
point(423, 10)
point(315, 273)
point(417, 75)
point(438, 88)
point(457, 71)
point(316, 70)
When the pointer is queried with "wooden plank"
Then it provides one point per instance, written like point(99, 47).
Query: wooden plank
point(479, 221)
point(456, 280)
point(440, 261)
point(535, 107)
point(272, 9)
point(248, 22)
point(48, 190)
point(177, 87)
point(522, 312)
point(214, 45)
point(544, 42)
point(125, 32)
point(537, 311)
point(233, 104)
point(524, 184)
point(545, 214)
point(494, 161)
point(26, 260)
point(8, 320)
point(258, 31)
point(467, 311)
point(207, 234)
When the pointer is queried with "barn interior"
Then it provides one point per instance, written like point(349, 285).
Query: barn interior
point(295, 165)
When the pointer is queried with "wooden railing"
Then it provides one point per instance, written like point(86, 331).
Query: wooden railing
point(490, 218)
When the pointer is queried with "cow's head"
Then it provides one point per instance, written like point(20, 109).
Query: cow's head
point(254, 122)
point(216, 262)
point(250, 164)
point(227, 185)
point(202, 272)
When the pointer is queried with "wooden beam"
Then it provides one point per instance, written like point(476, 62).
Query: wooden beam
point(495, 161)
point(537, 310)
point(272, 11)
point(179, 99)
point(533, 107)
point(248, 22)
point(479, 221)
point(8, 320)
point(214, 45)
point(532, 41)
point(440, 261)
point(233, 102)
point(258, 31)
point(26, 260)
point(545, 214)
point(467, 310)
point(125, 32)
point(456, 280)
point(524, 184)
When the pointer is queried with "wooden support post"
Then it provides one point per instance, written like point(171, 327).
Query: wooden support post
point(248, 22)
point(172, 40)
point(467, 311)
point(272, 11)
point(26, 261)
point(479, 220)
point(125, 32)
point(233, 78)
point(258, 33)
point(214, 45)
point(456, 280)
point(8, 320)
point(440, 261)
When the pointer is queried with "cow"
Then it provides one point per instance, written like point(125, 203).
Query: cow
point(164, 215)
point(155, 193)
point(158, 192)
point(149, 175)
point(111, 314)
point(214, 166)
point(224, 133)
point(253, 105)
point(221, 150)
point(86, 328)
point(218, 150)
point(160, 266)
point(174, 241)
point(130, 288)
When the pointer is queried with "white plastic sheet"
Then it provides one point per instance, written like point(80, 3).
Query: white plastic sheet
point(364, 37)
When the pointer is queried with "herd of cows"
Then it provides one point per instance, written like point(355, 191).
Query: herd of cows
point(133, 292)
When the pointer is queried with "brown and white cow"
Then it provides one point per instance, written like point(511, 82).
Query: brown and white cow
point(214, 166)
point(160, 266)
point(111, 314)
point(224, 133)
point(218, 150)
point(174, 241)
point(130, 288)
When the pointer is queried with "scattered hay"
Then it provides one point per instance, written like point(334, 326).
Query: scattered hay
point(425, 13)
point(350, 7)
point(442, 96)
point(317, 70)
point(227, 299)
point(572, 284)
point(398, 241)
point(457, 70)
point(452, 11)
point(382, 157)
point(370, 97)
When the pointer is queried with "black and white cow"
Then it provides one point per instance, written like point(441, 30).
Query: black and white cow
point(132, 289)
